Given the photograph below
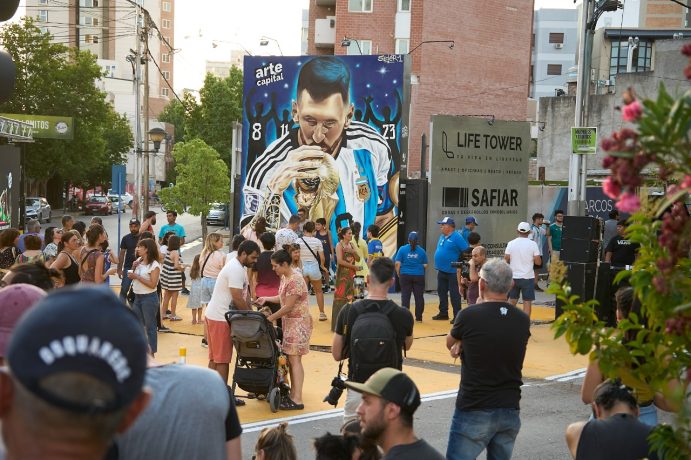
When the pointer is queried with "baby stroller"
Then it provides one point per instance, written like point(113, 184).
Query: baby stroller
point(257, 365)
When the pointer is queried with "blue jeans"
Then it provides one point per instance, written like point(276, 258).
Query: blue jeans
point(447, 284)
point(648, 415)
point(125, 285)
point(145, 307)
point(473, 431)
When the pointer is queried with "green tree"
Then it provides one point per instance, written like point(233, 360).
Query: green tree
point(654, 346)
point(53, 79)
point(202, 179)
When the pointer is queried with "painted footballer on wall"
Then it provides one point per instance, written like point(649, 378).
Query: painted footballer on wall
point(325, 133)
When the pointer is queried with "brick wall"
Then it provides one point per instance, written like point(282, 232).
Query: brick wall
point(377, 26)
point(663, 14)
point(317, 12)
point(487, 72)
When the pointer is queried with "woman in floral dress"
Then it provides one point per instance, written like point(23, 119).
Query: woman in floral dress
point(346, 256)
point(297, 323)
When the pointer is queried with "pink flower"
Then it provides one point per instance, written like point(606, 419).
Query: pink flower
point(686, 50)
point(686, 183)
point(629, 202)
point(608, 161)
point(611, 187)
point(632, 112)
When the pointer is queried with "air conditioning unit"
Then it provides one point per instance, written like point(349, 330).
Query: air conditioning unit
point(558, 45)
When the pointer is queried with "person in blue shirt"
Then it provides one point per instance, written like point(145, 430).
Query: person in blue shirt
point(178, 229)
point(375, 248)
point(470, 224)
point(411, 262)
point(449, 248)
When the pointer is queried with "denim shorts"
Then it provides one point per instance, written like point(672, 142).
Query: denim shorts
point(207, 289)
point(311, 270)
point(525, 286)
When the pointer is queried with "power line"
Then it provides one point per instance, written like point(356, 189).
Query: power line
point(166, 80)
point(679, 3)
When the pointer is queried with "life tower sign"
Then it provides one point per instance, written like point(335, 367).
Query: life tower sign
point(478, 168)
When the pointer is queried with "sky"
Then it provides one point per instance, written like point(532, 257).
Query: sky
point(243, 23)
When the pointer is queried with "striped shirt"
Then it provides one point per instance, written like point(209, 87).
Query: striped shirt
point(364, 157)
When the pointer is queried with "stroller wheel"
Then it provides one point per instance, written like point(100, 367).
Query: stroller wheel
point(274, 399)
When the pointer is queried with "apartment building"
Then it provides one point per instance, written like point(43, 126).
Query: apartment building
point(486, 72)
point(107, 28)
point(554, 47)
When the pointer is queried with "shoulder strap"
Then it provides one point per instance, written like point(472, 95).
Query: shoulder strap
point(205, 261)
point(308, 247)
point(86, 257)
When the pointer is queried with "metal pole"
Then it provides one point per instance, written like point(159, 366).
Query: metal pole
point(146, 116)
point(578, 165)
point(138, 116)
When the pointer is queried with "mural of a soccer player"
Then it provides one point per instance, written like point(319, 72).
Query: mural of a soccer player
point(327, 162)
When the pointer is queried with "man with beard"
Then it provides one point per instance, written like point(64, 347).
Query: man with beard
point(231, 290)
point(128, 255)
point(389, 400)
point(329, 164)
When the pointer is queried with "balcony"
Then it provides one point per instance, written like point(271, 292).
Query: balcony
point(326, 2)
point(325, 32)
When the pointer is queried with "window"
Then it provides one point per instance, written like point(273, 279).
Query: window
point(88, 21)
point(88, 3)
point(404, 5)
point(88, 38)
point(164, 92)
point(365, 47)
point(555, 37)
point(165, 57)
point(42, 16)
point(553, 69)
point(44, 30)
point(532, 41)
point(42, 2)
point(532, 70)
point(165, 23)
point(402, 45)
point(641, 60)
point(360, 6)
point(166, 74)
point(166, 7)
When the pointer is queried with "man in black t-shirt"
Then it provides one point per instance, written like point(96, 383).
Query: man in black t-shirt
point(491, 339)
point(379, 280)
point(620, 251)
point(389, 400)
point(128, 246)
point(616, 432)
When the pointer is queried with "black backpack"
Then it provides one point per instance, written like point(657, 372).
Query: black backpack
point(372, 343)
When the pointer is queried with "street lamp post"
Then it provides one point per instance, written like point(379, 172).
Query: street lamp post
point(347, 41)
point(156, 135)
point(264, 41)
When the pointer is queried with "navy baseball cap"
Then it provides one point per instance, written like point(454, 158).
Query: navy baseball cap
point(471, 220)
point(412, 236)
point(447, 220)
point(83, 330)
point(135, 222)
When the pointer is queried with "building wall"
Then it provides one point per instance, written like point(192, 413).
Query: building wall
point(663, 14)
point(377, 26)
point(318, 12)
point(544, 53)
point(486, 73)
point(554, 143)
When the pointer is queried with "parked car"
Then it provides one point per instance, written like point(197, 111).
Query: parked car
point(217, 214)
point(37, 208)
point(125, 197)
point(98, 205)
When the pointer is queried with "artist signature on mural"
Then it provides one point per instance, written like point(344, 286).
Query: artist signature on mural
point(389, 58)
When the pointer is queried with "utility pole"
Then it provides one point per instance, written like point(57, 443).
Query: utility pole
point(578, 166)
point(138, 115)
point(145, 152)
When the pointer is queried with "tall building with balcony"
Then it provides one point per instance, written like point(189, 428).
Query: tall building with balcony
point(486, 72)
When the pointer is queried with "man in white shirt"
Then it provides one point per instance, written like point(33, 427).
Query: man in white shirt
point(230, 292)
point(522, 254)
point(288, 234)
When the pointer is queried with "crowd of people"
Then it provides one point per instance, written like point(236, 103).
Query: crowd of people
point(92, 376)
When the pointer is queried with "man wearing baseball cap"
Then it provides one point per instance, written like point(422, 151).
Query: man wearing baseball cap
point(522, 254)
point(411, 262)
point(470, 224)
point(75, 376)
point(128, 246)
point(449, 248)
point(389, 400)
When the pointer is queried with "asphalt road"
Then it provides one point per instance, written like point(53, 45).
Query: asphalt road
point(547, 407)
